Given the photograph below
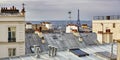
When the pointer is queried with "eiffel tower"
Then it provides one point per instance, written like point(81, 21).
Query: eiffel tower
point(78, 21)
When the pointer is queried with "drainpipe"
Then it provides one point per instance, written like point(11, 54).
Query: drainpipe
point(103, 32)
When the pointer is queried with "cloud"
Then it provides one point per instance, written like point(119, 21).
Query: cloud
point(58, 9)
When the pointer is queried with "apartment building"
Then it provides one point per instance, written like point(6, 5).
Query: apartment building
point(107, 28)
point(12, 32)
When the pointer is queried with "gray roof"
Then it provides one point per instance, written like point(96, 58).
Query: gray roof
point(64, 42)
point(89, 38)
point(33, 39)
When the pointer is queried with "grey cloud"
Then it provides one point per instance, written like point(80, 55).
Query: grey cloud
point(57, 9)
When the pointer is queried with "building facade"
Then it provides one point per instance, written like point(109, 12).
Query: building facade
point(28, 25)
point(12, 32)
point(107, 28)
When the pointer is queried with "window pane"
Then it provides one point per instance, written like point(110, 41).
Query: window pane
point(9, 52)
point(14, 52)
point(9, 29)
point(13, 34)
point(9, 35)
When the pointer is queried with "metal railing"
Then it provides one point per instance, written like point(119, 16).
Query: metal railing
point(111, 17)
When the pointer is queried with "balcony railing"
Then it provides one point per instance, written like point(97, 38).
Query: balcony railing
point(11, 39)
point(112, 17)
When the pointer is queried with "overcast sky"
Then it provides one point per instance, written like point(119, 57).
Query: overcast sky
point(58, 9)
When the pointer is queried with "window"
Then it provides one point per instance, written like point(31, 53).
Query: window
point(113, 25)
point(11, 34)
point(11, 51)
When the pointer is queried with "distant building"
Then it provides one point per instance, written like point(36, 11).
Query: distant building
point(28, 28)
point(84, 26)
point(43, 27)
point(35, 26)
point(71, 28)
point(28, 25)
point(85, 29)
point(107, 28)
point(12, 32)
point(48, 25)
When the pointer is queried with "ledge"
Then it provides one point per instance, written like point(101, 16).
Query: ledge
point(1, 42)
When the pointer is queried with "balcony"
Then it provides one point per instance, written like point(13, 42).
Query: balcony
point(11, 39)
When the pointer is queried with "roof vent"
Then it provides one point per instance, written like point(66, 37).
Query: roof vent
point(52, 51)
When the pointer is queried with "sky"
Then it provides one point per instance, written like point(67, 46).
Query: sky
point(37, 10)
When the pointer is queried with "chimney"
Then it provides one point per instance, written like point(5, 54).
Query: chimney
point(108, 30)
point(52, 51)
point(38, 52)
point(13, 7)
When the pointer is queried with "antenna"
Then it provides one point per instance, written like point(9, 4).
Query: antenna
point(78, 21)
point(23, 9)
point(70, 16)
